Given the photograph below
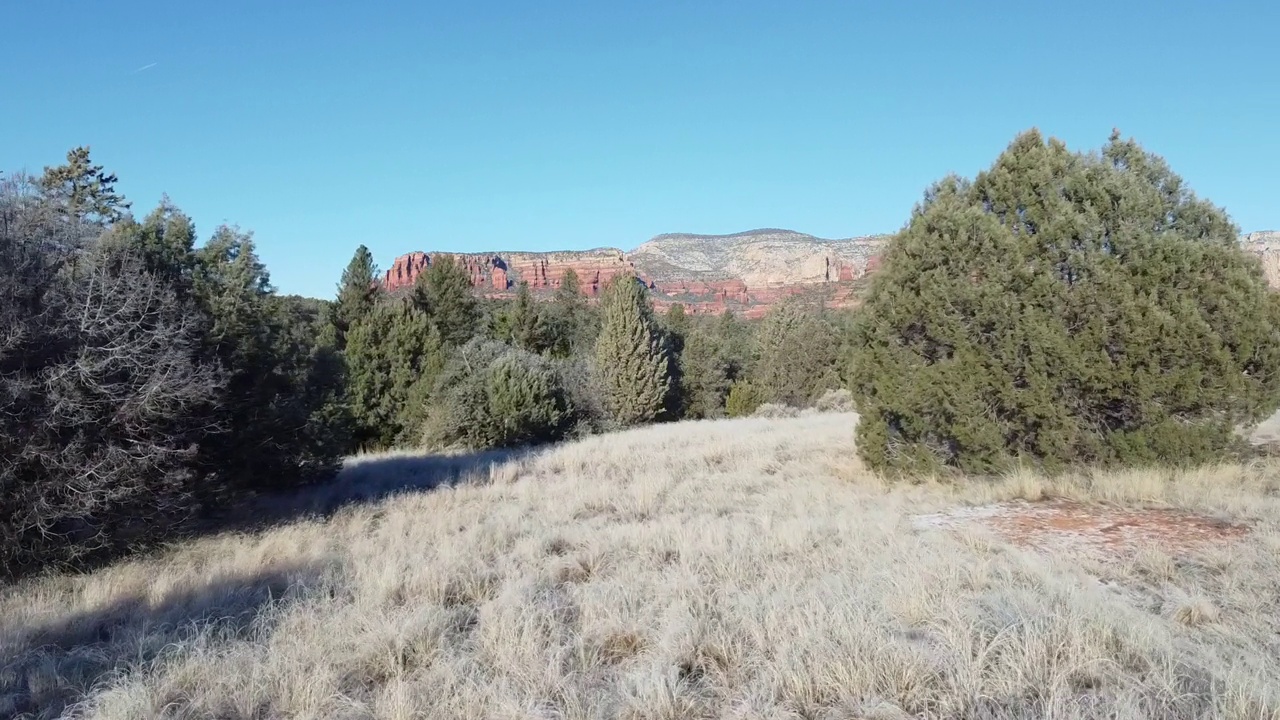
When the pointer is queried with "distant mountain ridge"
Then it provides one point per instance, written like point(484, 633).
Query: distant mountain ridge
point(745, 272)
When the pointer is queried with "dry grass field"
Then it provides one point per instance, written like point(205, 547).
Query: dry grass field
point(730, 569)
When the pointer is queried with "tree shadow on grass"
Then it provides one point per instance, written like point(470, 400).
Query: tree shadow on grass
point(47, 667)
point(369, 479)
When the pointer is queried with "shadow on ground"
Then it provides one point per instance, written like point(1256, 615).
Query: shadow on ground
point(368, 479)
point(47, 668)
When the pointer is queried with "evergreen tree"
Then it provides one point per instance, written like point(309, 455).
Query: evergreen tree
point(631, 360)
point(84, 191)
point(675, 332)
point(1063, 308)
point(738, 343)
point(105, 396)
point(164, 241)
point(305, 349)
point(493, 395)
point(743, 398)
point(715, 355)
point(357, 293)
point(269, 440)
point(797, 357)
point(527, 327)
point(393, 355)
point(444, 292)
point(571, 325)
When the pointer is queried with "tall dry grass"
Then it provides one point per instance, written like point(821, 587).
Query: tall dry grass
point(731, 569)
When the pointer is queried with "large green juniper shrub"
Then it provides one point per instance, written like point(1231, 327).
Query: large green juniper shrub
point(493, 395)
point(1063, 308)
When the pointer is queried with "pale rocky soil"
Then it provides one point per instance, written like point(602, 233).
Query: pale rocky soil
point(731, 569)
point(1267, 432)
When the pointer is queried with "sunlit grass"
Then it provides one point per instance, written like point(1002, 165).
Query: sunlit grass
point(744, 568)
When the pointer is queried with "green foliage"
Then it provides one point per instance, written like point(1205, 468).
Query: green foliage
point(83, 191)
point(277, 411)
point(444, 293)
point(164, 241)
point(632, 364)
point(797, 354)
point(716, 353)
point(675, 328)
point(1063, 308)
point(526, 327)
point(357, 293)
point(571, 324)
point(493, 395)
point(676, 322)
point(392, 355)
point(744, 398)
point(306, 352)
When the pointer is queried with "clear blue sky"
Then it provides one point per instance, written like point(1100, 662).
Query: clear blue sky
point(546, 125)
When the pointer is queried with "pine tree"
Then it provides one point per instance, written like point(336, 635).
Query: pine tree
point(444, 293)
point(631, 360)
point(526, 325)
point(393, 355)
point(84, 191)
point(265, 414)
point(796, 355)
point(357, 293)
point(167, 240)
point(1063, 308)
point(714, 356)
point(571, 325)
point(675, 332)
point(164, 242)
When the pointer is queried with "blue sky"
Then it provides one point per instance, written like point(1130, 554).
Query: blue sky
point(564, 125)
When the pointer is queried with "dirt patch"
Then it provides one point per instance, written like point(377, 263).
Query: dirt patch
point(1062, 526)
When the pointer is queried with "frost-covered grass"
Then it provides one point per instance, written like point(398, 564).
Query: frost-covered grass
point(741, 568)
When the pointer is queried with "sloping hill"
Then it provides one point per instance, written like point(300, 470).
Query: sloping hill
point(743, 568)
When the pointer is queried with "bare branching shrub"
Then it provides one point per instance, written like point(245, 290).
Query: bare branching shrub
point(102, 394)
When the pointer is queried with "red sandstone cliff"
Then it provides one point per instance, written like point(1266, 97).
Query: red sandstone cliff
point(499, 273)
point(746, 272)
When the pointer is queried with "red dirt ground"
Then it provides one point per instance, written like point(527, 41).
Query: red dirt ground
point(1094, 529)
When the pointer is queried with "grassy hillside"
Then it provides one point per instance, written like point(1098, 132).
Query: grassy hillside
point(744, 569)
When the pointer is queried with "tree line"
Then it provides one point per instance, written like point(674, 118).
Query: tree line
point(437, 367)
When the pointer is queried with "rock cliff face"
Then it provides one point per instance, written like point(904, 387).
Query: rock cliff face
point(745, 272)
point(1266, 245)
